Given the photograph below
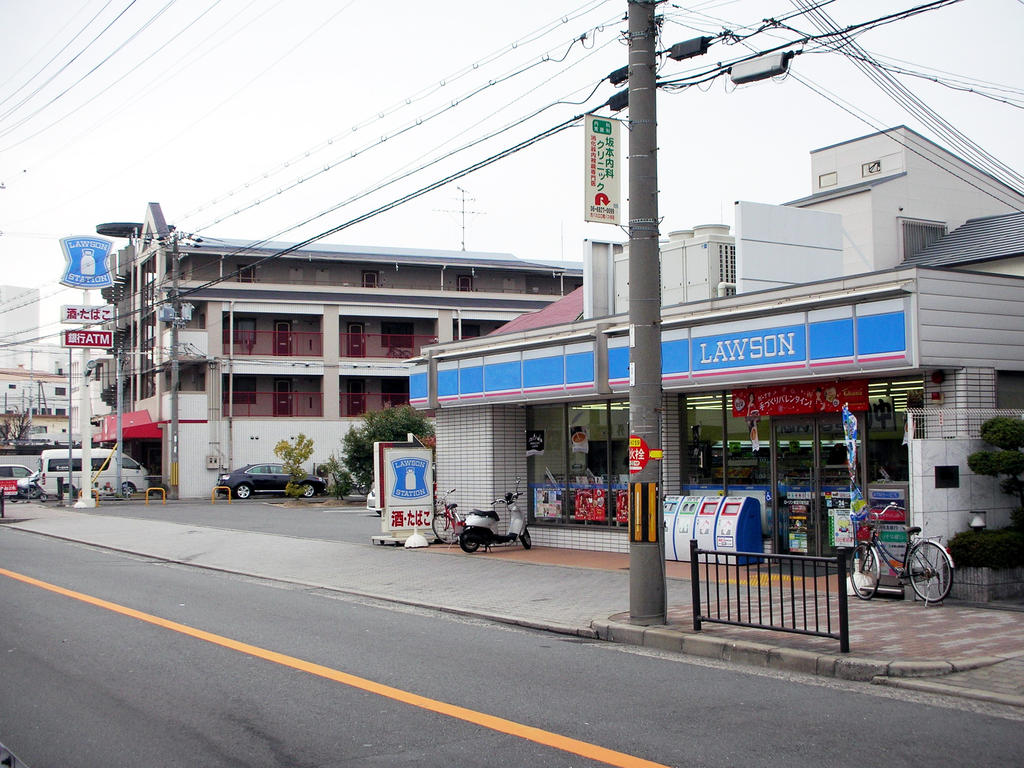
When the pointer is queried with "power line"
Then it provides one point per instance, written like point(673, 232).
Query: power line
point(910, 101)
point(128, 72)
point(75, 57)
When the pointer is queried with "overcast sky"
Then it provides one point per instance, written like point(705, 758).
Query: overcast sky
point(246, 118)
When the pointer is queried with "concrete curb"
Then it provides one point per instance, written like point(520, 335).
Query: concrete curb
point(930, 686)
point(905, 674)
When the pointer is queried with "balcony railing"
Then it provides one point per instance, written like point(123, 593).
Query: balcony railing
point(273, 343)
point(395, 345)
point(277, 404)
point(358, 404)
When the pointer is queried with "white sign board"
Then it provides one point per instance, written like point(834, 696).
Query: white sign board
point(602, 152)
point(86, 314)
point(405, 487)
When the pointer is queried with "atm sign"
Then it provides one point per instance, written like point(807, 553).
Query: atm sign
point(89, 339)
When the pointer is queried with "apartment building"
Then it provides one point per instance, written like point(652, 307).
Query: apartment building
point(274, 340)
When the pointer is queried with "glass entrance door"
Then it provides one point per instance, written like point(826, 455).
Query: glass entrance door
point(811, 482)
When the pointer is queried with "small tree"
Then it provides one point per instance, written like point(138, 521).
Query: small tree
point(390, 424)
point(339, 481)
point(1008, 462)
point(16, 425)
point(293, 456)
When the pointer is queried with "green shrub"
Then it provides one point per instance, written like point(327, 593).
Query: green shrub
point(992, 549)
point(339, 480)
point(1007, 463)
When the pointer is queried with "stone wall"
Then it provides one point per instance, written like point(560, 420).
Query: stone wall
point(982, 585)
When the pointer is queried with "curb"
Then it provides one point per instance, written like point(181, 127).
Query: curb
point(929, 686)
point(899, 674)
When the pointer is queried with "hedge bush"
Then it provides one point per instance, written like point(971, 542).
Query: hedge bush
point(988, 549)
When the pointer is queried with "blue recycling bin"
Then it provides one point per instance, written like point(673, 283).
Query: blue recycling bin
point(723, 523)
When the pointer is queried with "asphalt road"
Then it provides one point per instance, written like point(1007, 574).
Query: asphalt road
point(216, 670)
point(319, 518)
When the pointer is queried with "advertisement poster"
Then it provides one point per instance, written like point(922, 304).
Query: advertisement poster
point(621, 505)
point(798, 528)
point(534, 442)
point(547, 503)
point(841, 528)
point(796, 399)
point(579, 440)
point(589, 504)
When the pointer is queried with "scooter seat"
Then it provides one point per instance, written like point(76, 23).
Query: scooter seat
point(486, 513)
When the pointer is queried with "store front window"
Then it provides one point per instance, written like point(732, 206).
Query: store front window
point(705, 463)
point(785, 446)
point(547, 443)
point(577, 463)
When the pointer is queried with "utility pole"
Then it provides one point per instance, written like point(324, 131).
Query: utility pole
point(647, 588)
point(175, 367)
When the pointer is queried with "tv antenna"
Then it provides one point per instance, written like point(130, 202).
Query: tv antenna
point(462, 212)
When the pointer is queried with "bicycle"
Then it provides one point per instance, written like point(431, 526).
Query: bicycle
point(926, 564)
point(446, 523)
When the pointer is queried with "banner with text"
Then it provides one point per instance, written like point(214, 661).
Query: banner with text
point(794, 399)
point(603, 194)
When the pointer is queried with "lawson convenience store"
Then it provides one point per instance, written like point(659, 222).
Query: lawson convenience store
point(753, 389)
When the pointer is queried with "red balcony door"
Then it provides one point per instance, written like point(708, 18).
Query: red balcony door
point(282, 338)
point(356, 337)
point(356, 397)
point(282, 397)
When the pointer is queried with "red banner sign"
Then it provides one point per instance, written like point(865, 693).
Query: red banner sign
point(89, 339)
point(793, 399)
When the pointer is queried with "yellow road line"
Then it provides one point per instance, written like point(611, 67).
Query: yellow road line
point(499, 724)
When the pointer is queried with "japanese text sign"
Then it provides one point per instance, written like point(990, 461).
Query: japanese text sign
point(603, 194)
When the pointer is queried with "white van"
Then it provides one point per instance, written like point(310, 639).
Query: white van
point(55, 464)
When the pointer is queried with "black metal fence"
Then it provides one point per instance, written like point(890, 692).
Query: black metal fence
point(786, 593)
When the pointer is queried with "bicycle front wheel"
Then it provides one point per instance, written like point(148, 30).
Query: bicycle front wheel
point(930, 571)
point(865, 571)
point(443, 528)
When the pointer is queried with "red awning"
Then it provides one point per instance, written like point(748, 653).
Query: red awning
point(137, 425)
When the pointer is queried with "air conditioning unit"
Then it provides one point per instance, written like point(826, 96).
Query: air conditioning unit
point(213, 462)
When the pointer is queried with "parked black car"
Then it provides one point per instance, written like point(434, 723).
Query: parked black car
point(266, 478)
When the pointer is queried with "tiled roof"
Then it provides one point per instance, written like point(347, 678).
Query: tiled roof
point(566, 310)
point(985, 239)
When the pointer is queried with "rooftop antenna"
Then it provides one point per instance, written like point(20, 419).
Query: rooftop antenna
point(462, 212)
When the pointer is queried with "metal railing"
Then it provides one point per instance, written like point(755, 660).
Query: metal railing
point(932, 423)
point(356, 404)
point(278, 404)
point(786, 593)
point(273, 343)
point(399, 346)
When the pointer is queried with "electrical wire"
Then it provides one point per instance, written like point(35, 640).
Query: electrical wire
point(108, 57)
point(899, 93)
point(127, 73)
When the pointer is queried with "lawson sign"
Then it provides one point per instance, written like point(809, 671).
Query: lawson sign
point(87, 262)
point(766, 350)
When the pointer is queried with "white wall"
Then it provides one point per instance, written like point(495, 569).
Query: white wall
point(778, 246)
point(946, 511)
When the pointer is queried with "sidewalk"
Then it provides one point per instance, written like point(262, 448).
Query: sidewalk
point(951, 649)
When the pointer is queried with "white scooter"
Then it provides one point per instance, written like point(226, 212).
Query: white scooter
point(30, 489)
point(482, 525)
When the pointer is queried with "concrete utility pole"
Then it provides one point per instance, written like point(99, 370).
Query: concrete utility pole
point(175, 369)
point(647, 589)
